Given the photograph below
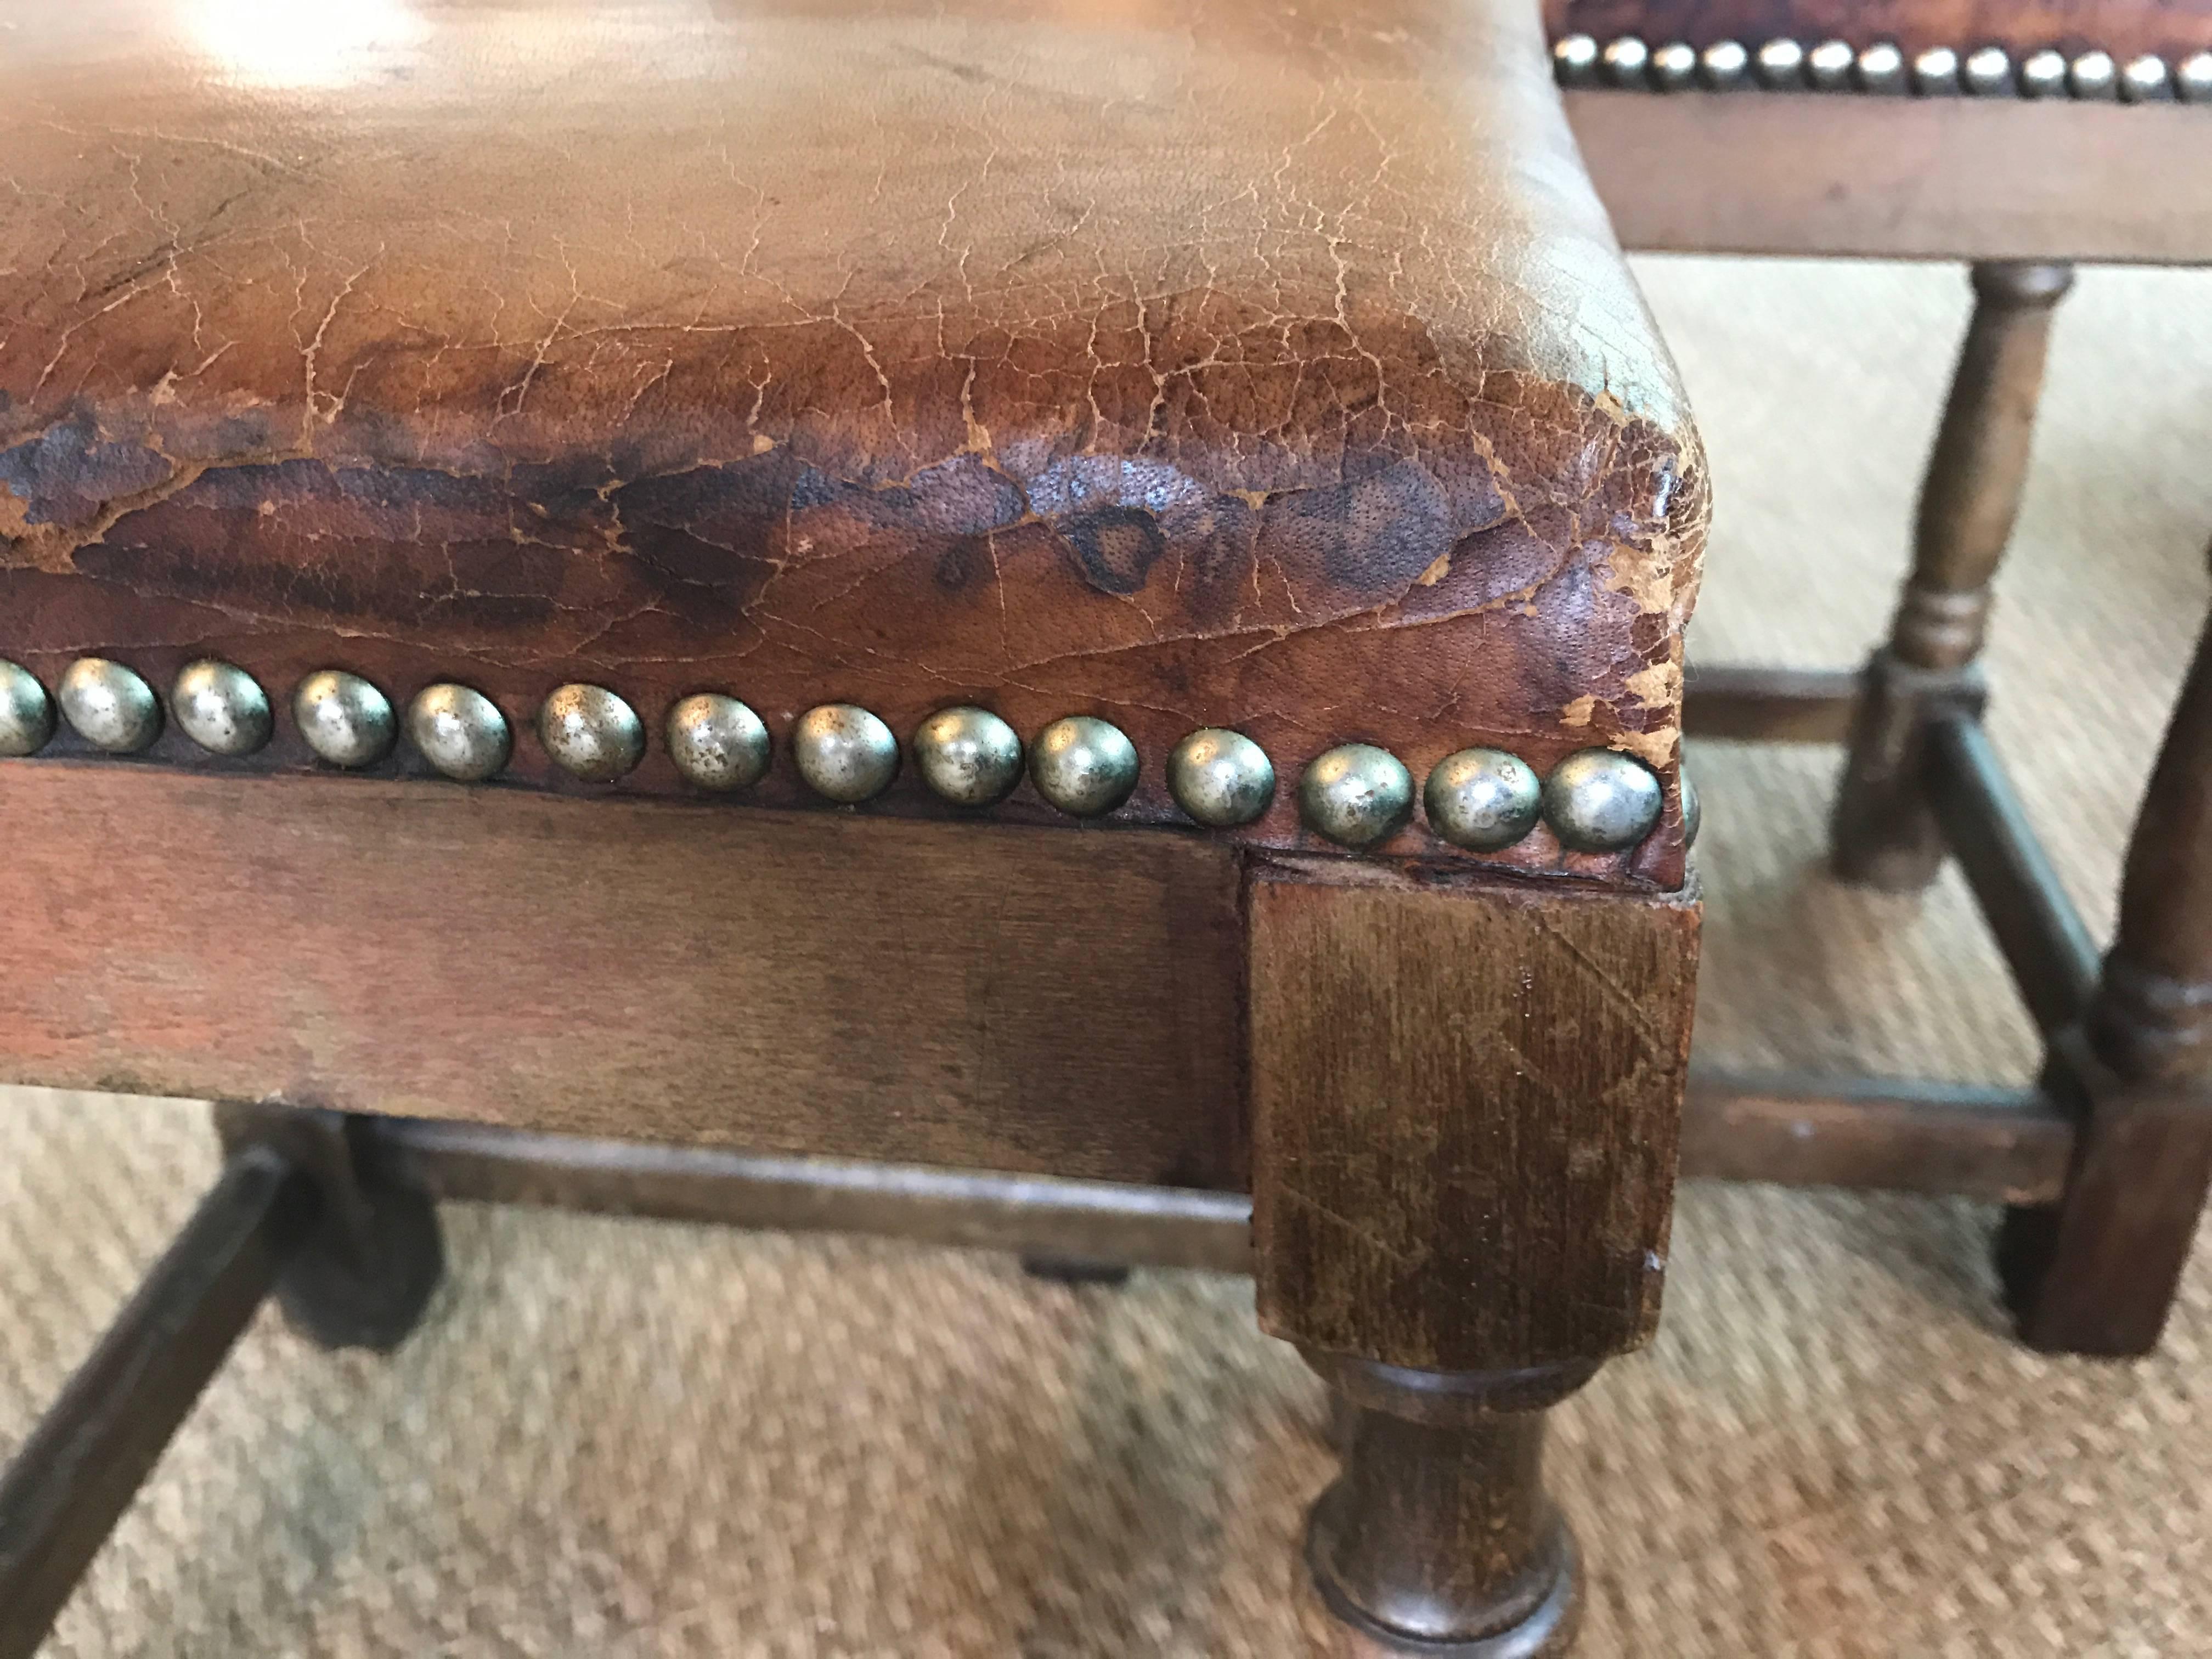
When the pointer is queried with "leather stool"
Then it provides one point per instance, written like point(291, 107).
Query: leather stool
point(1094, 594)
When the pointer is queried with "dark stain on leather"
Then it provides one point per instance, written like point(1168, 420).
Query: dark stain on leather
point(70, 471)
point(964, 564)
point(300, 539)
point(1115, 547)
point(1373, 537)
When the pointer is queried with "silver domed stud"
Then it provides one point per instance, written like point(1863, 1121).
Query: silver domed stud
point(1356, 794)
point(1483, 799)
point(1988, 72)
point(1936, 72)
point(2192, 78)
point(1625, 61)
point(845, 753)
point(1084, 767)
point(717, 742)
point(1694, 812)
point(1599, 801)
point(1828, 65)
point(1724, 65)
point(1221, 778)
point(109, 707)
point(1881, 68)
point(346, 720)
point(2144, 80)
point(1673, 66)
point(1781, 65)
point(2043, 74)
point(969, 756)
point(459, 731)
point(26, 713)
point(590, 733)
point(2093, 75)
point(221, 707)
point(1574, 60)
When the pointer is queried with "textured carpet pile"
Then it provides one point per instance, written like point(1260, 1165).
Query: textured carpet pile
point(622, 1438)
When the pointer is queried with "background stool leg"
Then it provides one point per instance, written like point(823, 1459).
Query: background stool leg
point(1884, 835)
point(366, 1273)
point(1439, 1538)
point(2096, 1272)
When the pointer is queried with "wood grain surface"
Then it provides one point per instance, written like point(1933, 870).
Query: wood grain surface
point(1466, 1104)
point(964, 994)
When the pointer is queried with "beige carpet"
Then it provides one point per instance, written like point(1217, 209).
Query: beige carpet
point(628, 1439)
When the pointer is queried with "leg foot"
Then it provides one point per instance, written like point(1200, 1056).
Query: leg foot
point(1882, 832)
point(1440, 1539)
point(1335, 1629)
point(368, 1291)
point(2097, 1273)
point(367, 1271)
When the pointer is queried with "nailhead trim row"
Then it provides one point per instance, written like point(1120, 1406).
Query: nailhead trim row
point(1596, 800)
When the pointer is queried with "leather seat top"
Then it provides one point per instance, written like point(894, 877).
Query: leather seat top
point(1184, 362)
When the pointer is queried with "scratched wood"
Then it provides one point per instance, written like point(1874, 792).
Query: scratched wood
point(1466, 1105)
point(946, 994)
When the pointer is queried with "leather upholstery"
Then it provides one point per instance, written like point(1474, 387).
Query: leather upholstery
point(1181, 362)
point(2172, 29)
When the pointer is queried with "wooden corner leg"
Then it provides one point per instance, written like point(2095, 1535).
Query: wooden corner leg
point(363, 1277)
point(2096, 1272)
point(1884, 833)
point(1466, 1107)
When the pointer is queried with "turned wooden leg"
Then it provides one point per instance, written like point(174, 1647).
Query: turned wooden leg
point(2096, 1272)
point(1439, 1537)
point(1884, 833)
point(1466, 1101)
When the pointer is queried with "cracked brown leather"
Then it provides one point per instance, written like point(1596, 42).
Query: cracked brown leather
point(1185, 362)
point(2126, 28)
